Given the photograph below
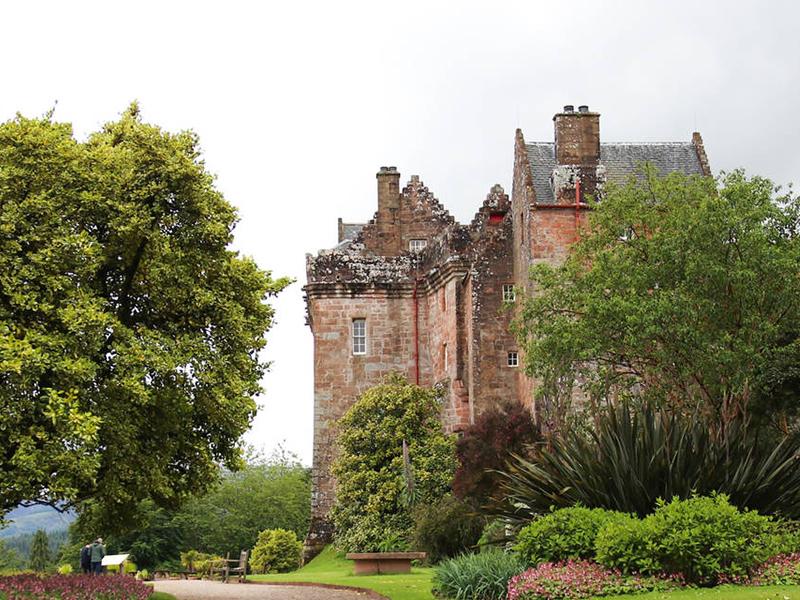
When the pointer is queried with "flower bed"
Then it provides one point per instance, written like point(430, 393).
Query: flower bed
point(573, 579)
point(72, 587)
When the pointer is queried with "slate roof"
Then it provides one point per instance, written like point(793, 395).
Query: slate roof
point(351, 230)
point(619, 159)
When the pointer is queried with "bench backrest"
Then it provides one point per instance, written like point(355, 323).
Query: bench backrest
point(243, 559)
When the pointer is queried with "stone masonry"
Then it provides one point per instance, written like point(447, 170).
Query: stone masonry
point(415, 292)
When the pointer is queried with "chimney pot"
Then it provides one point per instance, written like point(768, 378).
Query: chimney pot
point(583, 108)
point(568, 108)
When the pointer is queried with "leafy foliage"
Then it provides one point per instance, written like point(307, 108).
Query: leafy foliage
point(40, 557)
point(129, 332)
point(702, 538)
point(10, 559)
point(277, 551)
point(634, 455)
point(483, 576)
point(679, 290)
point(371, 494)
point(486, 445)
point(446, 529)
point(564, 534)
point(267, 494)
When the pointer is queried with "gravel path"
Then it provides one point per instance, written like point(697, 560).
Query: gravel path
point(215, 590)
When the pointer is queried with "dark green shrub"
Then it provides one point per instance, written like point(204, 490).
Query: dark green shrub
point(627, 545)
point(277, 551)
point(636, 454)
point(446, 529)
point(703, 538)
point(564, 534)
point(482, 576)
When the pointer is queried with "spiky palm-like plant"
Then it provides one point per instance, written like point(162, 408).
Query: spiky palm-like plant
point(633, 456)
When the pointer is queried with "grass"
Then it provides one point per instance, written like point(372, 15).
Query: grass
point(332, 568)
point(161, 596)
point(723, 592)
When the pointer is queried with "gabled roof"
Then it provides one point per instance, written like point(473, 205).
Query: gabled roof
point(619, 159)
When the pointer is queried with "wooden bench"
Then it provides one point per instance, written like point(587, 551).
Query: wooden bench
point(230, 566)
point(374, 563)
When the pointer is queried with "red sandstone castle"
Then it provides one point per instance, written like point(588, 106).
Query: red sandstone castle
point(414, 291)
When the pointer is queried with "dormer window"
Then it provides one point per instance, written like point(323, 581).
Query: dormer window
point(417, 245)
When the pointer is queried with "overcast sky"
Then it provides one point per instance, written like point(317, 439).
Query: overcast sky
point(298, 104)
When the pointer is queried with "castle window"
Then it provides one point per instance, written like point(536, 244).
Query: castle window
point(513, 359)
point(417, 245)
point(359, 336)
point(444, 356)
point(509, 294)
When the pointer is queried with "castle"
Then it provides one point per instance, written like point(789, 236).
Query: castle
point(414, 291)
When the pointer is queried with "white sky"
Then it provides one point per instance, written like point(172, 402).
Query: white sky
point(298, 104)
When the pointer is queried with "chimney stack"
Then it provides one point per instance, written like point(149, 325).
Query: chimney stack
point(577, 137)
point(388, 190)
point(388, 209)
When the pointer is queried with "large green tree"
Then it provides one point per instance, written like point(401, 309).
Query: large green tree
point(129, 331)
point(682, 289)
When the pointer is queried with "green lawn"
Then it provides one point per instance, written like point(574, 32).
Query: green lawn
point(723, 592)
point(334, 569)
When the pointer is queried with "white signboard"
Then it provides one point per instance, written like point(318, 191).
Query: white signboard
point(114, 559)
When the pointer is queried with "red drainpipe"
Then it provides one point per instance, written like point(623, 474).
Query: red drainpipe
point(416, 331)
point(577, 208)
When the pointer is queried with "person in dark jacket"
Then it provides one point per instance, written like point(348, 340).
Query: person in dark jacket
point(97, 551)
point(86, 559)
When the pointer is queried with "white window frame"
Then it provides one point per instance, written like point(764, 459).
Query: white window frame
point(359, 336)
point(509, 293)
point(512, 359)
point(417, 245)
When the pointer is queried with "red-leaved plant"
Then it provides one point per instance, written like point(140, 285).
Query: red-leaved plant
point(72, 587)
point(576, 579)
point(486, 445)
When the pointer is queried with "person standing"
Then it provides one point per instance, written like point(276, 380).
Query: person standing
point(86, 559)
point(97, 552)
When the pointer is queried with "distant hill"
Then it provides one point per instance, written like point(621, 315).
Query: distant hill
point(27, 519)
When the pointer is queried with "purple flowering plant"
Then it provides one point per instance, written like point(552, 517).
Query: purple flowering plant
point(575, 579)
point(72, 587)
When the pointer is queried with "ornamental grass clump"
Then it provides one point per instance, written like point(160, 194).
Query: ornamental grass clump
point(72, 587)
point(483, 576)
point(572, 580)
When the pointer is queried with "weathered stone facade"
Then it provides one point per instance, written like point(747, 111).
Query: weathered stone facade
point(432, 295)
